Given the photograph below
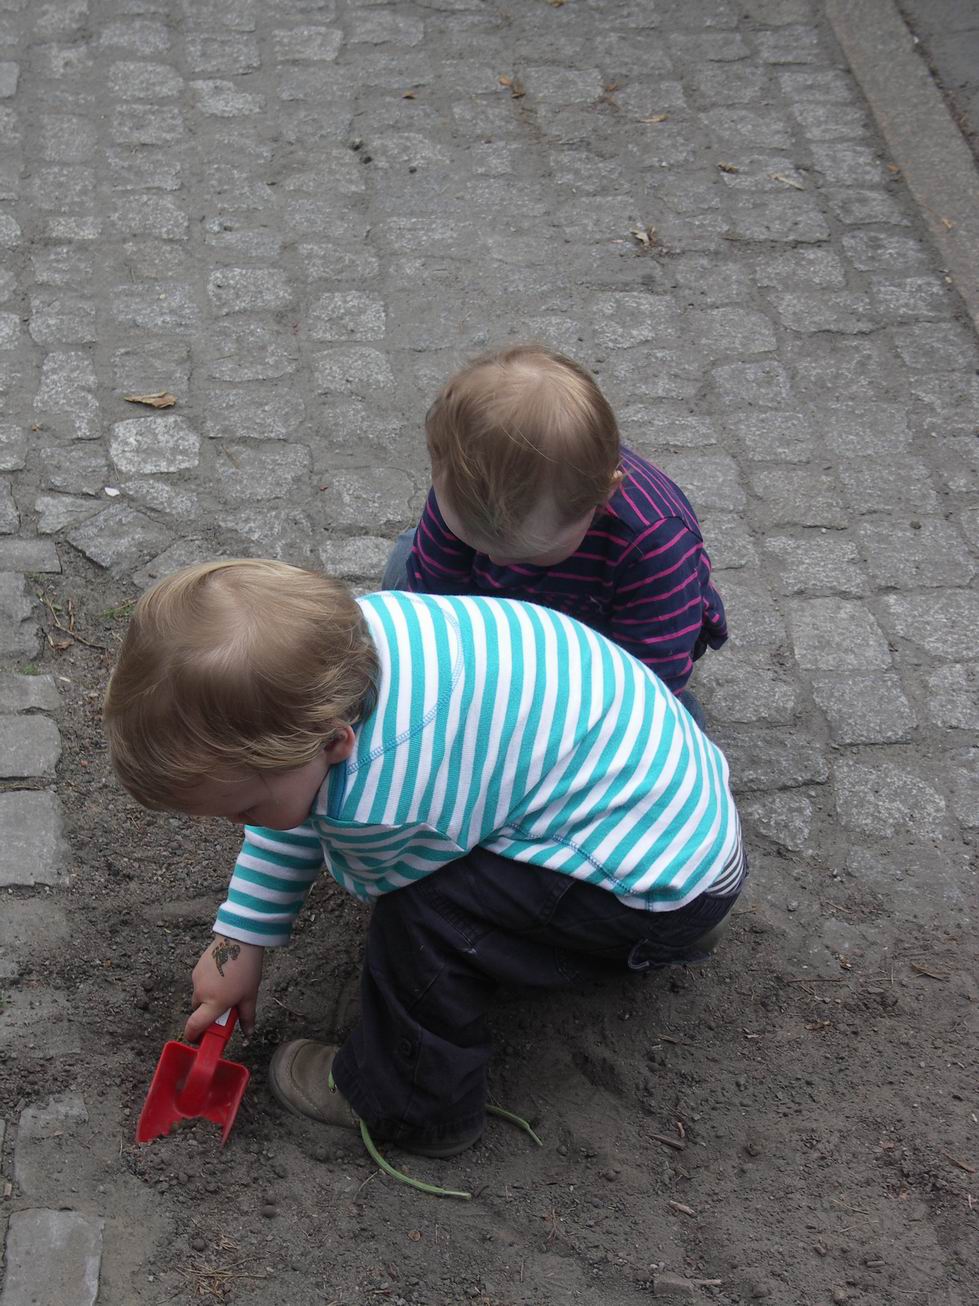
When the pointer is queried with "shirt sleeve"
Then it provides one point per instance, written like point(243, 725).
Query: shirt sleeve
point(663, 600)
point(272, 877)
point(439, 562)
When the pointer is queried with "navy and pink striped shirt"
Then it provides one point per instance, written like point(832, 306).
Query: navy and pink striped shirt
point(641, 575)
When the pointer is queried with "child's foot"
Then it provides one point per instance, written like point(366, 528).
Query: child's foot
point(300, 1076)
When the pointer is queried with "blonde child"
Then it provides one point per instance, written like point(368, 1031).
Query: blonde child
point(519, 799)
point(534, 498)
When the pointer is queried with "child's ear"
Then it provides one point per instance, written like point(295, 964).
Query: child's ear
point(341, 745)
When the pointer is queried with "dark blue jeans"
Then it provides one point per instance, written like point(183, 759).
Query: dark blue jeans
point(415, 1064)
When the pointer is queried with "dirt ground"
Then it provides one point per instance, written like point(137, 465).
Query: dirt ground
point(792, 1123)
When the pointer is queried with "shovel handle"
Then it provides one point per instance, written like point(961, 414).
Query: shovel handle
point(209, 1053)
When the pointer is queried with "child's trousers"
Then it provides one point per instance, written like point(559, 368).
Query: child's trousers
point(415, 1065)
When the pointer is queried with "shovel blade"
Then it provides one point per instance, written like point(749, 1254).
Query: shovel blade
point(162, 1110)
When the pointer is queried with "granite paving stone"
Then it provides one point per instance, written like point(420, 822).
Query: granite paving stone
point(29, 746)
point(952, 696)
point(885, 798)
point(154, 444)
point(934, 622)
point(910, 554)
point(868, 708)
point(836, 635)
point(31, 847)
point(818, 564)
point(52, 1256)
point(785, 818)
point(20, 693)
point(19, 636)
point(118, 538)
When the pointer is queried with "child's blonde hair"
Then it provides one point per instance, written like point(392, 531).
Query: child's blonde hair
point(514, 428)
point(237, 664)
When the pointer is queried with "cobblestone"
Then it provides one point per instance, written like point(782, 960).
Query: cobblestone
point(29, 746)
point(911, 554)
point(953, 696)
point(52, 1256)
point(785, 818)
point(818, 565)
point(836, 635)
point(864, 709)
point(23, 693)
point(31, 846)
point(43, 1130)
point(18, 629)
point(154, 444)
point(119, 538)
point(885, 798)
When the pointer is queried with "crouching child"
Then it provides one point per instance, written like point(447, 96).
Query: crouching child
point(521, 800)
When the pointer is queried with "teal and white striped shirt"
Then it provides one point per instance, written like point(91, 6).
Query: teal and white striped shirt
point(511, 726)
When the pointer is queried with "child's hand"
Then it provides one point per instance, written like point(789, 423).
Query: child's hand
point(227, 975)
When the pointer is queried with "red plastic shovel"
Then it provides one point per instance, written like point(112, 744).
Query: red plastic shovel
point(194, 1082)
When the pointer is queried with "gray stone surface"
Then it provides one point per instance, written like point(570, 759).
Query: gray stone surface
point(836, 635)
point(936, 623)
point(24, 693)
point(18, 630)
point(154, 444)
point(31, 844)
point(953, 697)
point(119, 538)
point(42, 1161)
point(762, 759)
point(864, 709)
point(29, 746)
point(361, 557)
point(885, 799)
point(52, 1256)
point(785, 818)
point(37, 1023)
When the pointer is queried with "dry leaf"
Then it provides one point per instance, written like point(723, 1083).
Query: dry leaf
point(645, 236)
point(555, 4)
point(682, 1207)
point(505, 80)
point(517, 90)
point(728, 167)
point(158, 399)
point(787, 181)
point(656, 117)
point(408, 95)
point(415, 1235)
point(612, 88)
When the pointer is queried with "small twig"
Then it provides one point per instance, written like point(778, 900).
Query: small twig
point(817, 979)
point(68, 630)
point(682, 1208)
point(923, 970)
point(680, 1042)
point(290, 1010)
point(969, 1169)
point(677, 1144)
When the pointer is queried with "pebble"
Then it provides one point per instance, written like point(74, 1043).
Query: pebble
point(141, 1003)
point(752, 1149)
point(270, 1211)
point(840, 1295)
point(792, 906)
point(280, 1168)
point(198, 1245)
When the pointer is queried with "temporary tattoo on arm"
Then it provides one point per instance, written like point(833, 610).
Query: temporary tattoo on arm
point(224, 951)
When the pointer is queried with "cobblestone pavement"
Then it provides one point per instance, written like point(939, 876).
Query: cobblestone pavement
point(296, 217)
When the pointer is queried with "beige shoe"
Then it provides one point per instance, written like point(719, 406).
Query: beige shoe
point(300, 1076)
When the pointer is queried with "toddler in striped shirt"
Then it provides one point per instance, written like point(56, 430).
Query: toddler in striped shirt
point(520, 800)
point(534, 498)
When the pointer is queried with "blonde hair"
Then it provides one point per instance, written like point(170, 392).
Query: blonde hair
point(515, 427)
point(230, 665)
